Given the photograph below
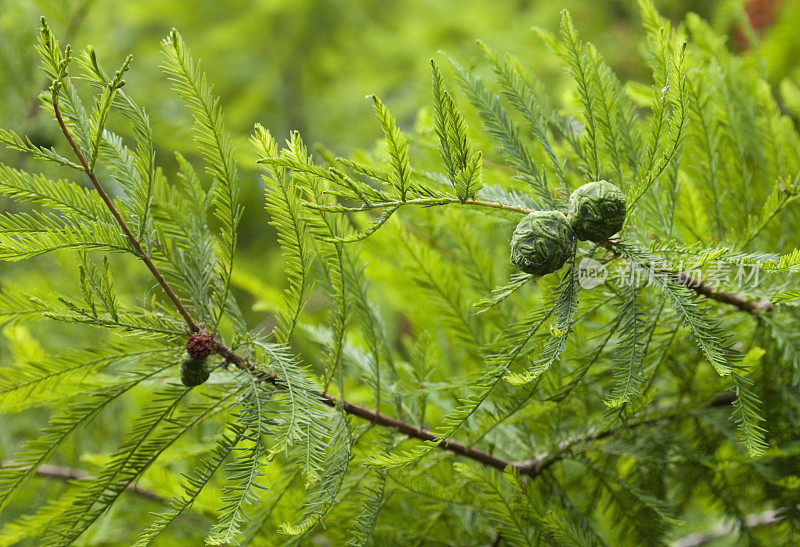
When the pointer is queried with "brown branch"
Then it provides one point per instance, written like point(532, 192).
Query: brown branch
point(373, 416)
point(193, 327)
point(498, 537)
point(537, 464)
point(750, 306)
point(417, 433)
point(753, 307)
point(532, 467)
point(68, 473)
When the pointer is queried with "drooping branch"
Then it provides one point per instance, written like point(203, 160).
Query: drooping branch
point(232, 357)
point(752, 307)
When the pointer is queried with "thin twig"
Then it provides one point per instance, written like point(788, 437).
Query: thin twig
point(765, 518)
point(537, 464)
point(753, 307)
point(68, 473)
point(193, 327)
point(531, 467)
point(421, 202)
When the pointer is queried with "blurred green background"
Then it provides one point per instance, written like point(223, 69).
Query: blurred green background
point(305, 65)
point(308, 64)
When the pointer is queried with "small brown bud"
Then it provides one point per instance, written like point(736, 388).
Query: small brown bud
point(199, 346)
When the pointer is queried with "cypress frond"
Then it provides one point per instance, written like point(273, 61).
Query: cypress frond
point(707, 333)
point(29, 384)
point(505, 196)
point(502, 292)
point(326, 230)
point(789, 262)
point(505, 130)
point(616, 119)
point(477, 262)
point(714, 343)
point(303, 423)
point(508, 348)
point(368, 230)
point(371, 503)
point(35, 525)
point(629, 361)
point(62, 195)
point(374, 332)
point(296, 157)
point(71, 523)
point(462, 164)
point(216, 147)
point(675, 96)
point(747, 415)
point(101, 109)
point(193, 485)
point(564, 310)
point(283, 206)
point(150, 436)
point(36, 451)
point(575, 55)
point(26, 235)
point(257, 530)
point(17, 304)
point(245, 471)
point(12, 141)
point(652, 517)
point(326, 490)
point(396, 149)
point(564, 522)
point(530, 100)
point(439, 283)
point(55, 63)
point(141, 185)
point(502, 491)
point(786, 296)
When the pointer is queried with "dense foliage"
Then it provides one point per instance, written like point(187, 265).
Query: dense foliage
point(410, 385)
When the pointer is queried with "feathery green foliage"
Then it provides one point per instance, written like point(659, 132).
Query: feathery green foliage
point(402, 383)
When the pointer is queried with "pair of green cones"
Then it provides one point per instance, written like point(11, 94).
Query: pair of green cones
point(544, 240)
